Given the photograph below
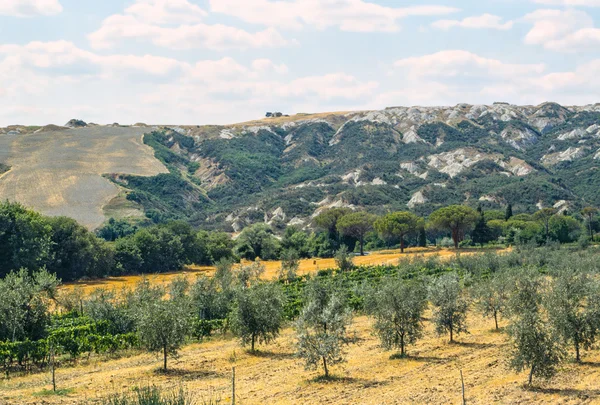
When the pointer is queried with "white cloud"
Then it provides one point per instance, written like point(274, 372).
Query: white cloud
point(347, 15)
point(44, 82)
point(569, 3)
point(485, 21)
point(562, 30)
point(29, 8)
point(454, 63)
point(177, 24)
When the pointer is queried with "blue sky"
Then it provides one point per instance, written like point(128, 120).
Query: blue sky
point(225, 61)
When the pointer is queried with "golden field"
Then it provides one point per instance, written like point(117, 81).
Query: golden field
point(431, 375)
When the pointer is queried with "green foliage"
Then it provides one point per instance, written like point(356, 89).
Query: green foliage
point(398, 225)
point(257, 315)
point(116, 229)
point(398, 306)
point(356, 225)
point(449, 305)
point(343, 259)
point(322, 327)
point(491, 296)
point(150, 395)
point(257, 241)
point(458, 219)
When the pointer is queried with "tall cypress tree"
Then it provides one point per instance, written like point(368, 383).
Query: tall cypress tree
point(482, 233)
point(508, 215)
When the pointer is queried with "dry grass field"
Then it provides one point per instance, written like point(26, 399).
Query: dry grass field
point(271, 268)
point(60, 172)
point(274, 376)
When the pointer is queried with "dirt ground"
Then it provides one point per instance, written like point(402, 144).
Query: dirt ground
point(431, 375)
point(271, 268)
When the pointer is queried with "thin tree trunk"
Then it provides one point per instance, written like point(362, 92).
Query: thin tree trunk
point(362, 243)
point(462, 382)
point(253, 342)
point(455, 238)
point(325, 367)
point(577, 354)
point(531, 374)
point(402, 349)
point(451, 335)
point(402, 244)
point(165, 357)
point(496, 319)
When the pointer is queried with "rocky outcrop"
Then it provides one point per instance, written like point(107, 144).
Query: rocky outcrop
point(519, 138)
point(570, 154)
point(75, 123)
point(416, 199)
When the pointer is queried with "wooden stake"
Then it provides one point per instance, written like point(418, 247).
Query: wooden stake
point(463, 388)
point(53, 369)
point(233, 386)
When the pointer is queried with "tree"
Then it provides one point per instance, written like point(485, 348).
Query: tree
point(533, 345)
point(257, 315)
point(398, 306)
point(564, 229)
point(160, 250)
point(450, 307)
point(327, 220)
point(297, 240)
point(343, 259)
point(589, 213)
point(509, 212)
point(322, 327)
point(257, 241)
point(163, 326)
point(491, 296)
point(24, 239)
point(543, 216)
point(116, 229)
point(574, 309)
point(397, 224)
point(218, 246)
point(24, 304)
point(290, 263)
point(482, 233)
point(356, 225)
point(458, 219)
point(422, 236)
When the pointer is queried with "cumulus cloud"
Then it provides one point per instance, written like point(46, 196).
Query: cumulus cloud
point(562, 30)
point(29, 8)
point(347, 15)
point(178, 24)
point(569, 3)
point(485, 21)
point(45, 82)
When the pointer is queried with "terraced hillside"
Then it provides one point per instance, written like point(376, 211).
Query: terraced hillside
point(61, 172)
point(285, 170)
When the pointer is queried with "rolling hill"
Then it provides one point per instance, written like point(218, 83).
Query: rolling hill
point(284, 170)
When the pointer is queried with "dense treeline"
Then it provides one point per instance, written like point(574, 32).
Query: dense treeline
point(548, 298)
point(66, 249)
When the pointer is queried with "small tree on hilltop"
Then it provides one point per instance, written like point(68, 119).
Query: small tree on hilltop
point(322, 327)
point(534, 346)
point(458, 219)
point(398, 306)
point(257, 315)
point(356, 225)
point(397, 224)
point(574, 309)
point(449, 305)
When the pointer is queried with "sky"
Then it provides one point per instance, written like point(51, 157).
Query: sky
point(198, 62)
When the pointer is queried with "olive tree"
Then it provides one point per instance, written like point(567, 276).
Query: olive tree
point(397, 306)
point(163, 325)
point(449, 305)
point(257, 314)
point(322, 327)
point(543, 216)
point(356, 225)
point(491, 296)
point(458, 219)
point(533, 345)
point(397, 224)
point(573, 306)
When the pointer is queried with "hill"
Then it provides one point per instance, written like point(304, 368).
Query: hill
point(284, 170)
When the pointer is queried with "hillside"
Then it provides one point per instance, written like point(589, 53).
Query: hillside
point(284, 170)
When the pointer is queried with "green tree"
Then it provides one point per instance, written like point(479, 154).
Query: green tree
point(24, 304)
point(115, 229)
point(543, 216)
point(322, 327)
point(295, 239)
point(509, 212)
point(458, 219)
point(290, 263)
point(163, 326)
point(343, 259)
point(356, 225)
point(327, 220)
point(564, 229)
point(573, 306)
point(449, 305)
point(590, 213)
point(257, 241)
point(491, 296)
point(533, 345)
point(218, 246)
point(422, 236)
point(482, 233)
point(257, 315)
point(398, 306)
point(397, 224)
point(25, 239)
